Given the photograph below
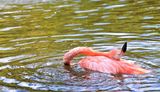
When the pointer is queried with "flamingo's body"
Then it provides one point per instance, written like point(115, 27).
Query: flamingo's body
point(106, 62)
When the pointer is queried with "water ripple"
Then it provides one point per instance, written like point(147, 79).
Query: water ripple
point(13, 58)
point(9, 48)
point(64, 6)
point(114, 6)
point(35, 36)
point(10, 12)
point(101, 24)
point(148, 17)
point(10, 28)
point(152, 26)
point(87, 11)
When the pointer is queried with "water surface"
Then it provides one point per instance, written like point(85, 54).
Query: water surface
point(35, 35)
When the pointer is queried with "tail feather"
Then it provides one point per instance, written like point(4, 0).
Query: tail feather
point(131, 68)
point(140, 71)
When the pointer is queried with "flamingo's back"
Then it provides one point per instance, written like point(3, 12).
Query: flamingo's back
point(107, 65)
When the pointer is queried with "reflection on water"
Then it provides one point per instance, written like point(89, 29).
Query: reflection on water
point(34, 36)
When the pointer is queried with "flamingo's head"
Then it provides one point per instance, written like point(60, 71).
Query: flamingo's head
point(117, 54)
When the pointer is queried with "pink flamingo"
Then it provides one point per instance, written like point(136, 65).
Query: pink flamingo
point(106, 62)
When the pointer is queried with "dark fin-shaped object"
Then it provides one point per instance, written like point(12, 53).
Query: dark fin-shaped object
point(124, 48)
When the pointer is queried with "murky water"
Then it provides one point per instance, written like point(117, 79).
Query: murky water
point(35, 35)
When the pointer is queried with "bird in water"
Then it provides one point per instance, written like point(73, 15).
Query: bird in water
point(105, 62)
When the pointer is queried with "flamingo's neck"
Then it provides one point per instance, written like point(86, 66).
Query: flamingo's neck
point(81, 50)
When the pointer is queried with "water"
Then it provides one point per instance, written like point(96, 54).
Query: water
point(35, 35)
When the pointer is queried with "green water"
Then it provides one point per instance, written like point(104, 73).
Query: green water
point(35, 35)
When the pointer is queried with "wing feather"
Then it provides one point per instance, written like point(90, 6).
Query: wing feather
point(98, 63)
point(107, 65)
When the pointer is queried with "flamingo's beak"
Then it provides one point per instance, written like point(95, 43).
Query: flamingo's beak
point(124, 48)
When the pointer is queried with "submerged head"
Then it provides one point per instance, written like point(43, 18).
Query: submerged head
point(117, 54)
point(67, 58)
